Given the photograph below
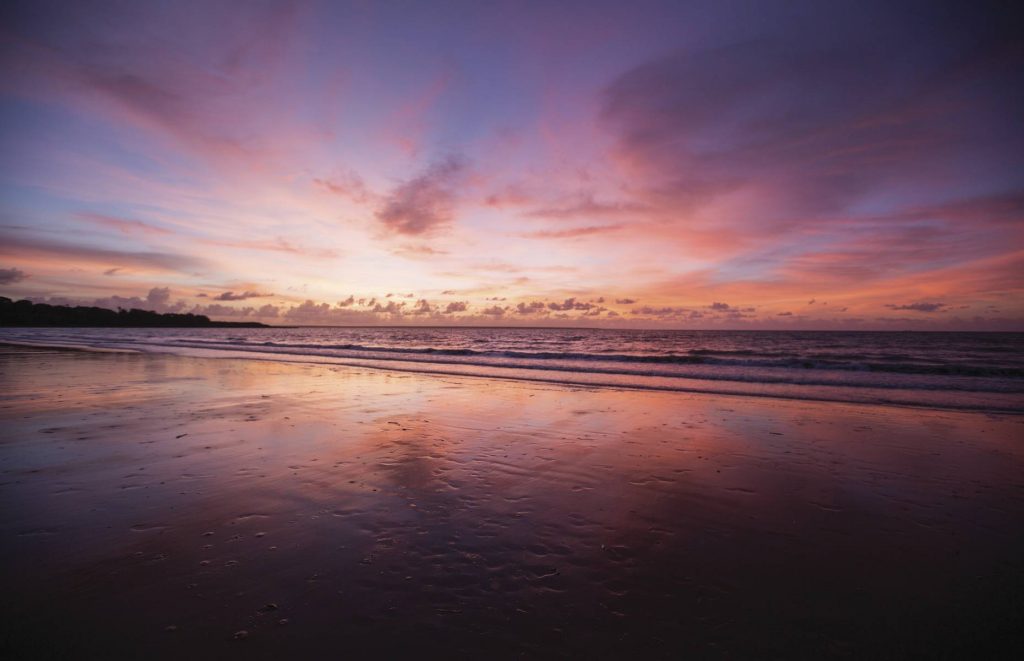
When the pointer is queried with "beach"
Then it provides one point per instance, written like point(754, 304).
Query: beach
point(167, 506)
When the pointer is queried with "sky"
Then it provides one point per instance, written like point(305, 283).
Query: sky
point(762, 165)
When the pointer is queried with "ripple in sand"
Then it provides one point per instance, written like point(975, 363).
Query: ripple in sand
point(37, 532)
point(245, 517)
point(140, 527)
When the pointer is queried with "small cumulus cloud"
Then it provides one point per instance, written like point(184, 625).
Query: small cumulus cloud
point(268, 311)
point(533, 307)
point(570, 304)
point(393, 307)
point(158, 299)
point(456, 306)
point(159, 296)
point(313, 313)
point(218, 310)
point(422, 306)
point(667, 312)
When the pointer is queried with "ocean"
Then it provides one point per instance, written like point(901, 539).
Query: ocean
point(982, 371)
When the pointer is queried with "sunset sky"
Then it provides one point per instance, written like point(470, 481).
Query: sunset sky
point(677, 164)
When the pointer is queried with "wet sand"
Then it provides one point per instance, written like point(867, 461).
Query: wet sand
point(157, 506)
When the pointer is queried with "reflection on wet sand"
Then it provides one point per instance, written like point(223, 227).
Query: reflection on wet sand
point(167, 506)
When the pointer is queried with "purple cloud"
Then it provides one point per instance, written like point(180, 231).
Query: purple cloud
point(425, 203)
point(241, 296)
point(456, 306)
point(11, 276)
point(533, 307)
point(18, 245)
point(919, 307)
point(573, 233)
point(570, 304)
point(814, 125)
point(586, 206)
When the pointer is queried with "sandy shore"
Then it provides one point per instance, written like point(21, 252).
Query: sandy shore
point(159, 506)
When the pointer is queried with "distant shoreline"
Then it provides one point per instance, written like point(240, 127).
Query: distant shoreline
point(211, 324)
point(26, 314)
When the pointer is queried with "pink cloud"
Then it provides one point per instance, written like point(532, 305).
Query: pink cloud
point(425, 203)
point(125, 225)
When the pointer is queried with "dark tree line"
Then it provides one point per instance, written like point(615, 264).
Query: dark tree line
point(27, 313)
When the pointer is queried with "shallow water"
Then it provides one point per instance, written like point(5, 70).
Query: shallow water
point(982, 371)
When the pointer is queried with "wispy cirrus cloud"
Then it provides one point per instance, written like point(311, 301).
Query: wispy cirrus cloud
point(125, 225)
point(347, 184)
point(587, 206)
point(21, 246)
point(275, 244)
point(419, 251)
point(240, 296)
point(781, 136)
point(191, 87)
point(573, 233)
